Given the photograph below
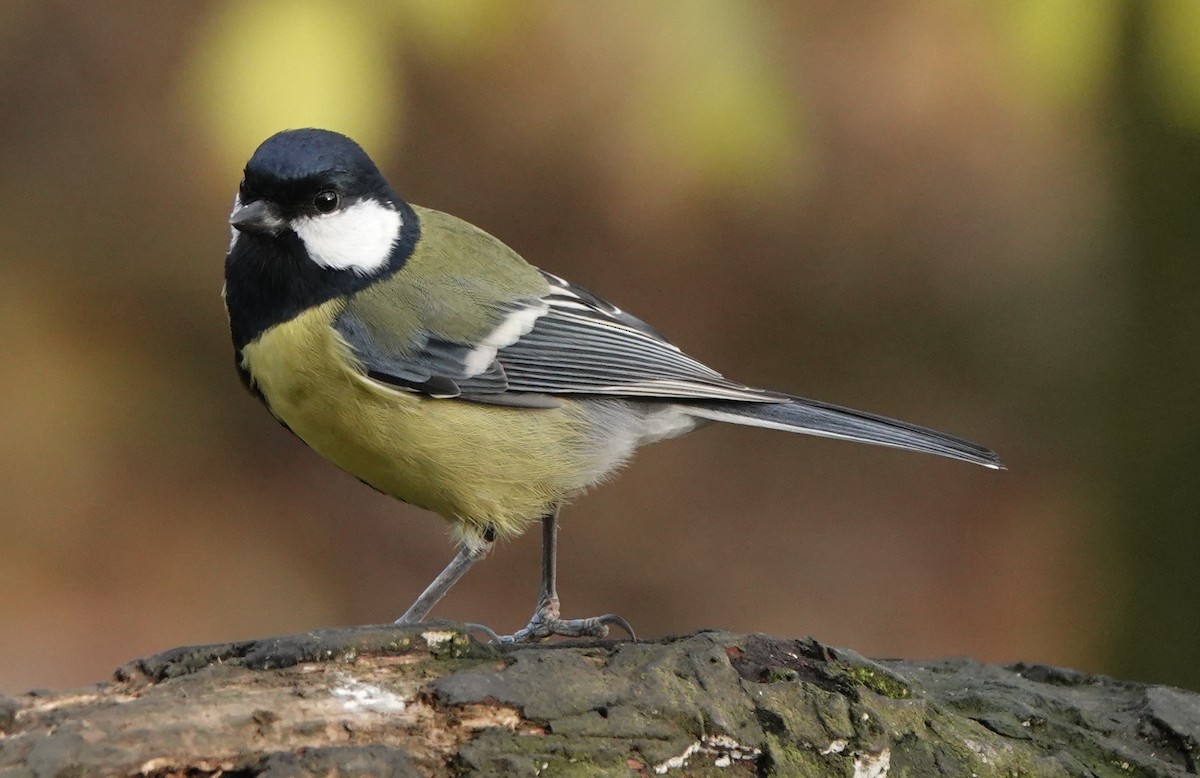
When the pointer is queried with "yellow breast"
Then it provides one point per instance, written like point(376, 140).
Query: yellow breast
point(475, 465)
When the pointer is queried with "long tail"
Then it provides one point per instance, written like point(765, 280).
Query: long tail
point(796, 414)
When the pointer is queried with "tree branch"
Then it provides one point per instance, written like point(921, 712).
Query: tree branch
point(427, 700)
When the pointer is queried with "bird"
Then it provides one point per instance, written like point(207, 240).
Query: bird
point(426, 358)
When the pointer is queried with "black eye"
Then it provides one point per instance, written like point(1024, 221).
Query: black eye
point(326, 200)
point(243, 189)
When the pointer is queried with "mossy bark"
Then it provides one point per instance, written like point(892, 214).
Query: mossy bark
point(428, 700)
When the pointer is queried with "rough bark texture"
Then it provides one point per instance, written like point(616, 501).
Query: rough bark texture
point(427, 700)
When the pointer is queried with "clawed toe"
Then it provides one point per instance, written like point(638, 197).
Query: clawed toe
point(612, 619)
point(545, 625)
point(544, 628)
point(491, 634)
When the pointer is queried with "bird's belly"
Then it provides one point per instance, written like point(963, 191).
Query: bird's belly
point(476, 465)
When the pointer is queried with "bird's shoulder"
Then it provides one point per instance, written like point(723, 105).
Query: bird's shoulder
point(454, 252)
point(458, 283)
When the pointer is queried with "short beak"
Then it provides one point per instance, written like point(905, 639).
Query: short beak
point(258, 216)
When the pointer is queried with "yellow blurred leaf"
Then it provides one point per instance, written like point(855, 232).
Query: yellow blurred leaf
point(462, 29)
point(711, 98)
point(1174, 44)
point(1064, 48)
point(261, 66)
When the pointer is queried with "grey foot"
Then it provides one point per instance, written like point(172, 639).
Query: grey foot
point(546, 624)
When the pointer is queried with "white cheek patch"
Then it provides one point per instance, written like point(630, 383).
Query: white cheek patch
point(359, 237)
point(515, 326)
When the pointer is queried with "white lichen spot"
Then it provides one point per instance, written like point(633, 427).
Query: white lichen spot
point(437, 637)
point(873, 765)
point(984, 751)
point(836, 747)
point(358, 696)
point(723, 749)
point(675, 762)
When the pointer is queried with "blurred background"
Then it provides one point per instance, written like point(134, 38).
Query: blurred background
point(981, 216)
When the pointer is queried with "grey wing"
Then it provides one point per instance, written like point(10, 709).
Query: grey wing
point(430, 363)
point(568, 342)
point(584, 345)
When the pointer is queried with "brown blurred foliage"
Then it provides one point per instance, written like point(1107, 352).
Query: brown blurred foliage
point(923, 230)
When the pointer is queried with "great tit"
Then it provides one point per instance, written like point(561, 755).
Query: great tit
point(426, 358)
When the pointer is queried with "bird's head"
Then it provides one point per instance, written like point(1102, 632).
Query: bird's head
point(321, 188)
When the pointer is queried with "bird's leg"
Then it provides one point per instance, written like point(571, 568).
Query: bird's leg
point(467, 556)
point(546, 621)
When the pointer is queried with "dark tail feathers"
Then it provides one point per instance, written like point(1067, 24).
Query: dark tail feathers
point(796, 414)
